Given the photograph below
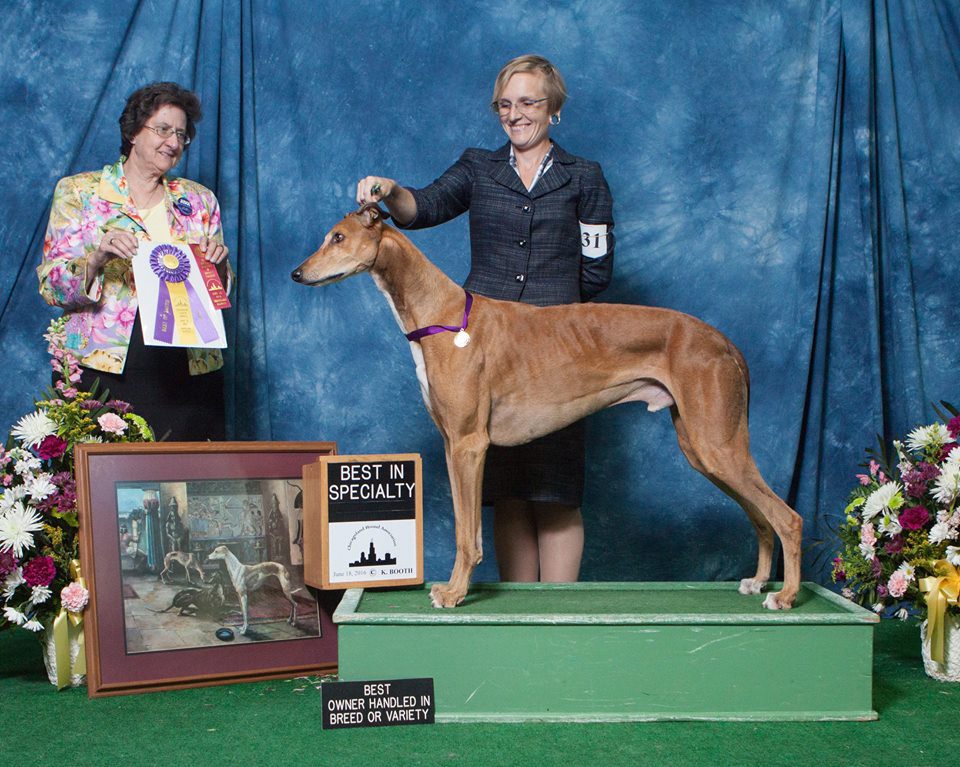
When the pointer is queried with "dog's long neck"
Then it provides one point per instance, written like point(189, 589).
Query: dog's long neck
point(421, 294)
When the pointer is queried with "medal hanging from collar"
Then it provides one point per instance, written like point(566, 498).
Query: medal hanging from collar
point(461, 339)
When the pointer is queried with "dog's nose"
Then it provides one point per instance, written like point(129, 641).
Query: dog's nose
point(297, 275)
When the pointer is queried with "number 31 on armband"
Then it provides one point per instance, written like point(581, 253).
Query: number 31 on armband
point(593, 240)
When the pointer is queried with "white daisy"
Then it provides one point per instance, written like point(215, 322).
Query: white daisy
point(17, 527)
point(946, 487)
point(14, 616)
point(930, 437)
point(27, 465)
point(868, 551)
point(953, 555)
point(39, 595)
point(12, 583)
point(33, 625)
point(939, 533)
point(889, 524)
point(33, 428)
point(885, 497)
point(40, 487)
point(10, 496)
point(907, 570)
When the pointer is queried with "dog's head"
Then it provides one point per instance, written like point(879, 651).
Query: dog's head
point(218, 553)
point(349, 248)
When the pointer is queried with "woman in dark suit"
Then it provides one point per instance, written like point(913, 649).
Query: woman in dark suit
point(541, 224)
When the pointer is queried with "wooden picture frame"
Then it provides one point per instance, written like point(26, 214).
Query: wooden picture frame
point(196, 497)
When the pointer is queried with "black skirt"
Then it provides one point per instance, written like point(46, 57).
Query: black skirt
point(156, 381)
point(549, 469)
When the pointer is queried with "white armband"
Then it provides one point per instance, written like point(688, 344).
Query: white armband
point(593, 240)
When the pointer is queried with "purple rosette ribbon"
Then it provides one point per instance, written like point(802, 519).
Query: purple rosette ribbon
point(172, 266)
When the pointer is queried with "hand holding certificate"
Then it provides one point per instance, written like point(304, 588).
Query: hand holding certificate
point(180, 296)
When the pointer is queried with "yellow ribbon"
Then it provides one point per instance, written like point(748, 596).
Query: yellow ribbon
point(68, 626)
point(182, 314)
point(941, 590)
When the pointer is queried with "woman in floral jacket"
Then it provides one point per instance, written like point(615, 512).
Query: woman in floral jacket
point(96, 222)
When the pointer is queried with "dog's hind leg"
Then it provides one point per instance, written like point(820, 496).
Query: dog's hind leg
point(465, 458)
point(730, 466)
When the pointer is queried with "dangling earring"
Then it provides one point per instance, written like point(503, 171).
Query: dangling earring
point(555, 119)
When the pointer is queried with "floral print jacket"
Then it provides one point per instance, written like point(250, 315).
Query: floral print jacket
point(87, 206)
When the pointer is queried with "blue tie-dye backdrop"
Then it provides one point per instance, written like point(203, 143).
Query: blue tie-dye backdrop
point(788, 171)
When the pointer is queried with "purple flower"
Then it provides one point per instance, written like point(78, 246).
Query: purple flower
point(914, 518)
point(953, 427)
point(65, 499)
point(839, 574)
point(917, 478)
point(91, 404)
point(119, 406)
point(882, 591)
point(39, 571)
point(8, 562)
point(945, 451)
point(894, 545)
point(876, 569)
point(51, 447)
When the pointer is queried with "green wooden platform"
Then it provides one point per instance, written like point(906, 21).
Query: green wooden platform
point(616, 652)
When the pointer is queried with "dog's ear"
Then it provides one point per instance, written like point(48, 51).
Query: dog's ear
point(371, 213)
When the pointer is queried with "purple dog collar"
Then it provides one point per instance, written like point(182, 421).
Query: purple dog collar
point(430, 330)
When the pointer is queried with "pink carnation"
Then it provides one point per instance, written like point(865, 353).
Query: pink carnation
point(897, 585)
point(39, 571)
point(112, 423)
point(74, 597)
point(51, 447)
point(867, 534)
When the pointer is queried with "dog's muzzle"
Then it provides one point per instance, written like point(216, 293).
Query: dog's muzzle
point(297, 276)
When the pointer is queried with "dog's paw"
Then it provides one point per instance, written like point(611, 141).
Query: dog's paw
point(441, 595)
point(751, 586)
point(777, 602)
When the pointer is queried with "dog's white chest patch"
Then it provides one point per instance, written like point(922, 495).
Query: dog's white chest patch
point(415, 349)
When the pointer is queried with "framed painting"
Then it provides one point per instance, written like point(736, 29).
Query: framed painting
point(193, 555)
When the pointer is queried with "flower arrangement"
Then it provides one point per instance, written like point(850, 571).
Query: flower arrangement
point(39, 578)
point(901, 534)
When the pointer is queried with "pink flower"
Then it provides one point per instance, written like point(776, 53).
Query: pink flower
point(51, 447)
point(112, 423)
point(74, 597)
point(867, 534)
point(39, 571)
point(897, 585)
point(914, 518)
point(864, 479)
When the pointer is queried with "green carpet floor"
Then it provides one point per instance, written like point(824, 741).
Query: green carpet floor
point(278, 723)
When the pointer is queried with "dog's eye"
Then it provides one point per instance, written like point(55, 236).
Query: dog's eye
point(337, 237)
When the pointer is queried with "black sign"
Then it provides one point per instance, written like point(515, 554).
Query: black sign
point(377, 704)
point(379, 490)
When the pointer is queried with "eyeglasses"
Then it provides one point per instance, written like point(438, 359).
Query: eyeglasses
point(524, 106)
point(166, 131)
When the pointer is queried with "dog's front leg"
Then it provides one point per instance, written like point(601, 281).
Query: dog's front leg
point(465, 457)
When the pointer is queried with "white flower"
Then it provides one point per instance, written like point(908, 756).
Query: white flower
point(952, 460)
point(907, 570)
point(889, 524)
point(33, 428)
point(939, 533)
point(39, 595)
point(898, 446)
point(884, 497)
point(17, 527)
point(14, 616)
point(878, 607)
point(902, 614)
point(868, 551)
point(931, 437)
point(946, 487)
point(33, 625)
point(10, 496)
point(41, 487)
point(27, 465)
point(12, 583)
point(953, 555)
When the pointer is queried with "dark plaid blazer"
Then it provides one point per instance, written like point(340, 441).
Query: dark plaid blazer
point(525, 246)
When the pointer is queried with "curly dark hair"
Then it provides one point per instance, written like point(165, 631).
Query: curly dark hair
point(143, 103)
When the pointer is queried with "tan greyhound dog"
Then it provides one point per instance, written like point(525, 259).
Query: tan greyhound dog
point(515, 372)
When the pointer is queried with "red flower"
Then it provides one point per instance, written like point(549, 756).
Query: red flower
point(51, 447)
point(914, 518)
point(39, 571)
point(945, 451)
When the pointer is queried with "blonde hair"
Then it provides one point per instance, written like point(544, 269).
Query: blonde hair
point(552, 80)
